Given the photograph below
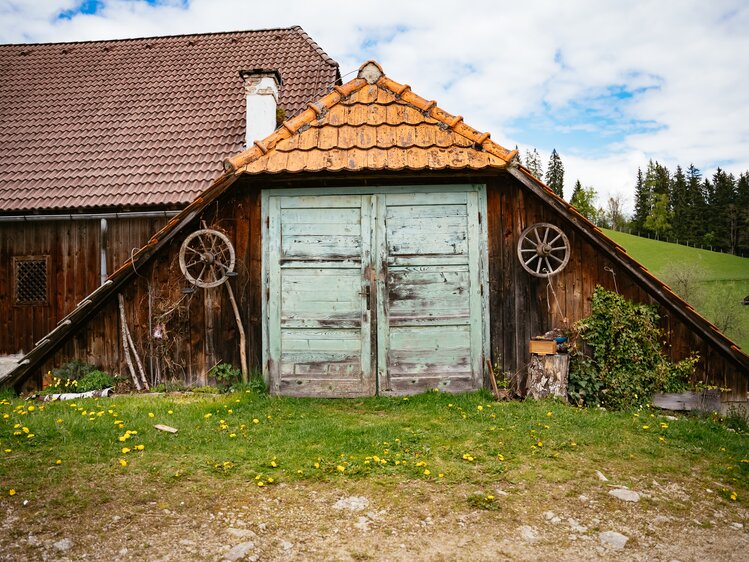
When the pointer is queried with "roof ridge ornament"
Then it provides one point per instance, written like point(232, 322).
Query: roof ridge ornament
point(370, 71)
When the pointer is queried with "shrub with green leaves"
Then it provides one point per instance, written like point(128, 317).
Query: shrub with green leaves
point(626, 365)
point(225, 374)
point(94, 380)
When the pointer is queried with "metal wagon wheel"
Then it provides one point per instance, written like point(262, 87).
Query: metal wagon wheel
point(206, 258)
point(543, 249)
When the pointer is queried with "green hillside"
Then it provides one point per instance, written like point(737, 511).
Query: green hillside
point(722, 279)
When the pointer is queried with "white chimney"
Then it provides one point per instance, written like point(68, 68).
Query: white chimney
point(261, 91)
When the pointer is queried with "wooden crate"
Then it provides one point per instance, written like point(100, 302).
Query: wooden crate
point(543, 347)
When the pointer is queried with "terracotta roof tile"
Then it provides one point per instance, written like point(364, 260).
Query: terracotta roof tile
point(372, 123)
point(137, 122)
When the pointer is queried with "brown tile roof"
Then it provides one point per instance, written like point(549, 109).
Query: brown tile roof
point(371, 123)
point(137, 122)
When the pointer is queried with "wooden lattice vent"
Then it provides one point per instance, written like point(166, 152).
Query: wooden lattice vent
point(31, 280)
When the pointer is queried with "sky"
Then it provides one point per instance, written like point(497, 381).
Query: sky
point(608, 84)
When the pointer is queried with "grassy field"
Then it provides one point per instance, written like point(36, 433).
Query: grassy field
point(51, 449)
point(90, 469)
point(725, 277)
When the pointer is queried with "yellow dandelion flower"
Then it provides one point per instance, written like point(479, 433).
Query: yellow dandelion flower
point(26, 430)
point(317, 465)
point(140, 447)
point(540, 444)
point(208, 415)
point(170, 412)
point(479, 408)
point(274, 464)
point(500, 457)
point(426, 472)
point(441, 475)
point(150, 414)
point(340, 468)
point(232, 435)
point(260, 483)
point(549, 414)
point(490, 497)
point(31, 408)
point(270, 480)
point(8, 450)
point(58, 461)
point(645, 427)
point(11, 492)
point(125, 450)
point(30, 436)
point(733, 496)
point(123, 462)
point(255, 420)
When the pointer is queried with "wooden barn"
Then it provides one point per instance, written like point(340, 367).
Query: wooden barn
point(102, 142)
point(373, 244)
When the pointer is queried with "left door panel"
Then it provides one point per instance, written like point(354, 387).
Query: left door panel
point(318, 305)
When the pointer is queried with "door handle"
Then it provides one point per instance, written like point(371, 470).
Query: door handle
point(366, 293)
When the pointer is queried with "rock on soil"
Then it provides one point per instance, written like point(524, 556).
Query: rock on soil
point(63, 545)
point(239, 551)
point(353, 503)
point(625, 495)
point(612, 539)
point(528, 533)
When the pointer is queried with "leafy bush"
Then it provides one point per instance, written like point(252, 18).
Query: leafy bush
point(627, 365)
point(225, 374)
point(73, 370)
point(77, 376)
point(95, 380)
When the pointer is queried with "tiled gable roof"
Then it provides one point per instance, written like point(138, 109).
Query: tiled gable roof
point(137, 122)
point(372, 123)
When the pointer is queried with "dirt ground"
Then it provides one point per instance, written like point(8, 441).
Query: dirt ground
point(382, 520)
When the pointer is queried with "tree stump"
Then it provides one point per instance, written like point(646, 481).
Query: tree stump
point(547, 376)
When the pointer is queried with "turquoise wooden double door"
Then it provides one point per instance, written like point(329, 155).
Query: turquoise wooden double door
point(374, 292)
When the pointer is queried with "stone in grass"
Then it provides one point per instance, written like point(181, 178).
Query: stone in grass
point(239, 551)
point(528, 533)
point(625, 495)
point(353, 503)
point(612, 539)
point(63, 545)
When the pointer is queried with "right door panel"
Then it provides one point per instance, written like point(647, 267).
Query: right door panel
point(429, 329)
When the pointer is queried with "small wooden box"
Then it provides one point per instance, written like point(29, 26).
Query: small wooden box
point(543, 347)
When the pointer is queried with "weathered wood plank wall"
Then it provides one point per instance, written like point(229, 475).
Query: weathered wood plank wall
point(520, 306)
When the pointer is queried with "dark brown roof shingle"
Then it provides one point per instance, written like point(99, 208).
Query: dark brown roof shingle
point(137, 122)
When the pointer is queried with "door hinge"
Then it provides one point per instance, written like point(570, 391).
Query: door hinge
point(479, 217)
point(267, 222)
point(267, 294)
point(481, 289)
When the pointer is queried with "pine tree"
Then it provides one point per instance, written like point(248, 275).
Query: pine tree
point(680, 205)
point(643, 199)
point(723, 211)
point(742, 204)
point(555, 173)
point(696, 205)
point(533, 163)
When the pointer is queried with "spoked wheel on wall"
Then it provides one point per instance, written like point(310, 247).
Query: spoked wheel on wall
point(543, 249)
point(207, 258)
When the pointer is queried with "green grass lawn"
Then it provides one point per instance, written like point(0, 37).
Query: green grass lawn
point(725, 277)
point(67, 454)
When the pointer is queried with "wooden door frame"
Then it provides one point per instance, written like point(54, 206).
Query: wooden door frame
point(483, 257)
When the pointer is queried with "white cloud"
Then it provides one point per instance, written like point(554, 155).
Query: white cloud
point(494, 63)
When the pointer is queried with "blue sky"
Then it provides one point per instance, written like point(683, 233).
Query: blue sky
point(609, 88)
